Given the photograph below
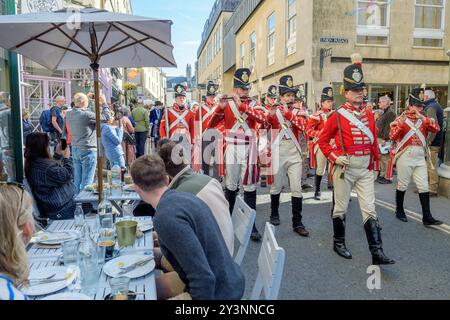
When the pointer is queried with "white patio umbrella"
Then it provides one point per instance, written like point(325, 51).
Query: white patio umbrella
point(71, 39)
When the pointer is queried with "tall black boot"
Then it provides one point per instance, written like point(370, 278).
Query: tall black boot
point(373, 233)
point(339, 238)
point(231, 198)
point(297, 225)
point(427, 218)
point(250, 199)
point(274, 205)
point(400, 211)
point(318, 192)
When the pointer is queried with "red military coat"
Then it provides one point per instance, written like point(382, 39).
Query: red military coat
point(255, 116)
point(356, 143)
point(314, 127)
point(185, 126)
point(298, 123)
point(399, 129)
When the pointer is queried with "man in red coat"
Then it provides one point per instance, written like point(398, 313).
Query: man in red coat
point(409, 132)
point(286, 154)
point(177, 122)
point(314, 127)
point(355, 156)
point(202, 117)
point(242, 117)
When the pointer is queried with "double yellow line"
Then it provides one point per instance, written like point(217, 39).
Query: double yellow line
point(412, 215)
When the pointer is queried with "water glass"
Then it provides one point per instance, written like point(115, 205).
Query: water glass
point(70, 251)
point(127, 210)
point(119, 288)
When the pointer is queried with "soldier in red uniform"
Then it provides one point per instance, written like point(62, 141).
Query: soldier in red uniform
point(242, 117)
point(409, 131)
point(286, 154)
point(270, 101)
point(315, 125)
point(202, 117)
point(178, 122)
point(355, 156)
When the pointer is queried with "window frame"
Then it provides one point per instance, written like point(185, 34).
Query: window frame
point(374, 31)
point(242, 54)
point(252, 49)
point(271, 52)
point(424, 33)
point(291, 40)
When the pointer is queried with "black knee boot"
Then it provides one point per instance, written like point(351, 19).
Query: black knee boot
point(400, 211)
point(231, 198)
point(318, 192)
point(250, 200)
point(427, 218)
point(339, 238)
point(297, 225)
point(274, 205)
point(373, 234)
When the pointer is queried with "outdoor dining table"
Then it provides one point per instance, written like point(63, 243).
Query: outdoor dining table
point(41, 257)
point(92, 198)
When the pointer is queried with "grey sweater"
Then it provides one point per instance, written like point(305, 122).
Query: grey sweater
point(191, 241)
point(81, 124)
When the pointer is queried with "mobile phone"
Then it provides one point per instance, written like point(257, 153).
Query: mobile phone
point(63, 144)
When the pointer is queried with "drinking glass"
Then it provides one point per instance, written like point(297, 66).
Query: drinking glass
point(127, 210)
point(70, 251)
point(119, 288)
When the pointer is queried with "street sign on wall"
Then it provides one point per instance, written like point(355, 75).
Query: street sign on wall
point(334, 40)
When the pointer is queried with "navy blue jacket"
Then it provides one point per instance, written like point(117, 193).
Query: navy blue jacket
point(439, 139)
point(191, 241)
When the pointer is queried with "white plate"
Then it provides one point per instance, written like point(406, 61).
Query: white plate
point(46, 288)
point(57, 237)
point(145, 225)
point(112, 268)
point(129, 188)
point(68, 296)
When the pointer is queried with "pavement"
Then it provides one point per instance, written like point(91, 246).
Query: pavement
point(313, 271)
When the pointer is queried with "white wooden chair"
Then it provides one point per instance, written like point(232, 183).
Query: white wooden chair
point(270, 267)
point(243, 218)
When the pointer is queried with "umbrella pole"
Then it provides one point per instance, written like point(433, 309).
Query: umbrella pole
point(95, 68)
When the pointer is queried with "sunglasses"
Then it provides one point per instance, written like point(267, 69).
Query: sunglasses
point(22, 188)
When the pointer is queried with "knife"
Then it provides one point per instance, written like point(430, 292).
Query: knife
point(135, 265)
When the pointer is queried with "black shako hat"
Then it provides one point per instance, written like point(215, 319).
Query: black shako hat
point(416, 97)
point(353, 74)
point(180, 90)
point(287, 85)
point(242, 78)
point(211, 89)
point(327, 94)
point(272, 92)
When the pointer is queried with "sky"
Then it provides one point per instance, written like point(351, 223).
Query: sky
point(188, 16)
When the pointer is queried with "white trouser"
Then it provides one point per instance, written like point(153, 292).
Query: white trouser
point(236, 165)
point(321, 161)
point(357, 177)
point(412, 163)
point(288, 160)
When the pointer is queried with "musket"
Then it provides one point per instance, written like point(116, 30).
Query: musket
point(338, 119)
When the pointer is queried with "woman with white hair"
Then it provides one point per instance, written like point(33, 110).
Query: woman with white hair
point(16, 230)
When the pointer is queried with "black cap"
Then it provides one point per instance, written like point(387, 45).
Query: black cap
point(242, 78)
point(180, 91)
point(416, 97)
point(353, 74)
point(158, 103)
point(211, 89)
point(272, 92)
point(327, 94)
point(287, 85)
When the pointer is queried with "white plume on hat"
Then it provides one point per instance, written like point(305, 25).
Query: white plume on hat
point(356, 58)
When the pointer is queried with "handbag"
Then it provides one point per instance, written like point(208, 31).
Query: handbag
point(129, 138)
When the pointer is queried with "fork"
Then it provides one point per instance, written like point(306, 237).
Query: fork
point(135, 265)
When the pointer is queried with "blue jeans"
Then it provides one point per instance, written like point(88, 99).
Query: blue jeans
point(84, 164)
point(120, 161)
point(141, 138)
